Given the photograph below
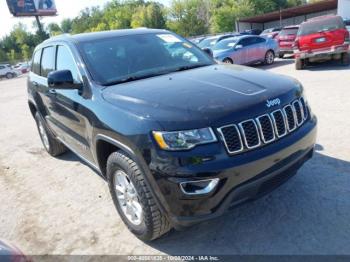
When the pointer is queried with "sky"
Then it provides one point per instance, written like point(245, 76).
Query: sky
point(65, 9)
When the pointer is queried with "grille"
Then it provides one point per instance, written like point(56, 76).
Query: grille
point(288, 110)
point(250, 133)
point(298, 112)
point(232, 137)
point(264, 129)
point(303, 104)
point(279, 122)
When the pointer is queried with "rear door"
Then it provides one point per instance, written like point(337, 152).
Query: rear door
point(321, 34)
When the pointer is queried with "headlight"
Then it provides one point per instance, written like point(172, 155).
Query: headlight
point(182, 140)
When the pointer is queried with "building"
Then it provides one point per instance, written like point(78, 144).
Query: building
point(294, 15)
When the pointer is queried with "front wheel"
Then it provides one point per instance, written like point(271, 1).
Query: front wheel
point(269, 58)
point(133, 199)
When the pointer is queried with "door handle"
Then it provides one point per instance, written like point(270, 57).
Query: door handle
point(35, 84)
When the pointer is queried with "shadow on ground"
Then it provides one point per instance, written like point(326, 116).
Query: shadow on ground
point(307, 215)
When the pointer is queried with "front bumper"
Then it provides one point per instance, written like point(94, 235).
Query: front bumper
point(242, 177)
point(322, 53)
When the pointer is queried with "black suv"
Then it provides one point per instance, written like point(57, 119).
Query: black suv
point(179, 138)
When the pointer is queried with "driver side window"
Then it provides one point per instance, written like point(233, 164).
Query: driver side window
point(65, 61)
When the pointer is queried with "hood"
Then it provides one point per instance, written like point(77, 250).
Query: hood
point(207, 96)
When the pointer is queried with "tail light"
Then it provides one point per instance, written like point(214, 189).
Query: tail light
point(296, 45)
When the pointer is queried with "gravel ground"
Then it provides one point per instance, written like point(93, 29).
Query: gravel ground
point(61, 206)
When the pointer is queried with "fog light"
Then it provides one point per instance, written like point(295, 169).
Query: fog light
point(199, 187)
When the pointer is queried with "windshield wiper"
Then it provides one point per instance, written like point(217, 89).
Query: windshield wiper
point(188, 67)
point(132, 78)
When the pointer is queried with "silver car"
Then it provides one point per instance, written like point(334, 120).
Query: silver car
point(246, 50)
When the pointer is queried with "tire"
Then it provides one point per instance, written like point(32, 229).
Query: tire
point(269, 57)
point(280, 55)
point(299, 64)
point(10, 75)
point(152, 223)
point(50, 143)
point(345, 59)
point(228, 61)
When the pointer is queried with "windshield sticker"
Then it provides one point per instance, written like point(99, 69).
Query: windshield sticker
point(231, 44)
point(169, 38)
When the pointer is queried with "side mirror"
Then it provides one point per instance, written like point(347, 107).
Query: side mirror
point(208, 51)
point(238, 47)
point(62, 79)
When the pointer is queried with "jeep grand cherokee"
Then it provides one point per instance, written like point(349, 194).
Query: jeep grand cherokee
point(179, 138)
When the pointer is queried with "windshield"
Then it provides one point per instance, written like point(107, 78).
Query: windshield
point(126, 58)
point(226, 43)
point(208, 42)
point(321, 25)
point(289, 31)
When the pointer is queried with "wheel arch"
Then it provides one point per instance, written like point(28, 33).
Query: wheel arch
point(105, 146)
point(32, 108)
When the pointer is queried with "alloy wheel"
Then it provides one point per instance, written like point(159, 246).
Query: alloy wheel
point(128, 198)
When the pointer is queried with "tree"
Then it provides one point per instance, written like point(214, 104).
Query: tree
point(66, 25)
point(189, 17)
point(225, 14)
point(54, 29)
point(151, 16)
point(25, 52)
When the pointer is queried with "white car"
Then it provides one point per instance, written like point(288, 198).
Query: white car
point(8, 72)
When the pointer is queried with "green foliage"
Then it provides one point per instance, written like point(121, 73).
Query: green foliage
point(185, 17)
point(189, 17)
point(225, 14)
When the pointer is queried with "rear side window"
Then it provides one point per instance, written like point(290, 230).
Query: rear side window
point(48, 61)
point(322, 25)
point(36, 62)
point(65, 61)
point(289, 31)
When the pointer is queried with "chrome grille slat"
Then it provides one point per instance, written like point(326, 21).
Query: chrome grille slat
point(264, 126)
point(264, 129)
point(250, 136)
point(289, 113)
point(279, 121)
point(231, 146)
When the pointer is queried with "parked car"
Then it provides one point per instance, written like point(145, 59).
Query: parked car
point(251, 32)
point(286, 40)
point(179, 138)
point(322, 38)
point(271, 32)
point(22, 67)
point(196, 40)
point(8, 72)
point(245, 50)
point(210, 41)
